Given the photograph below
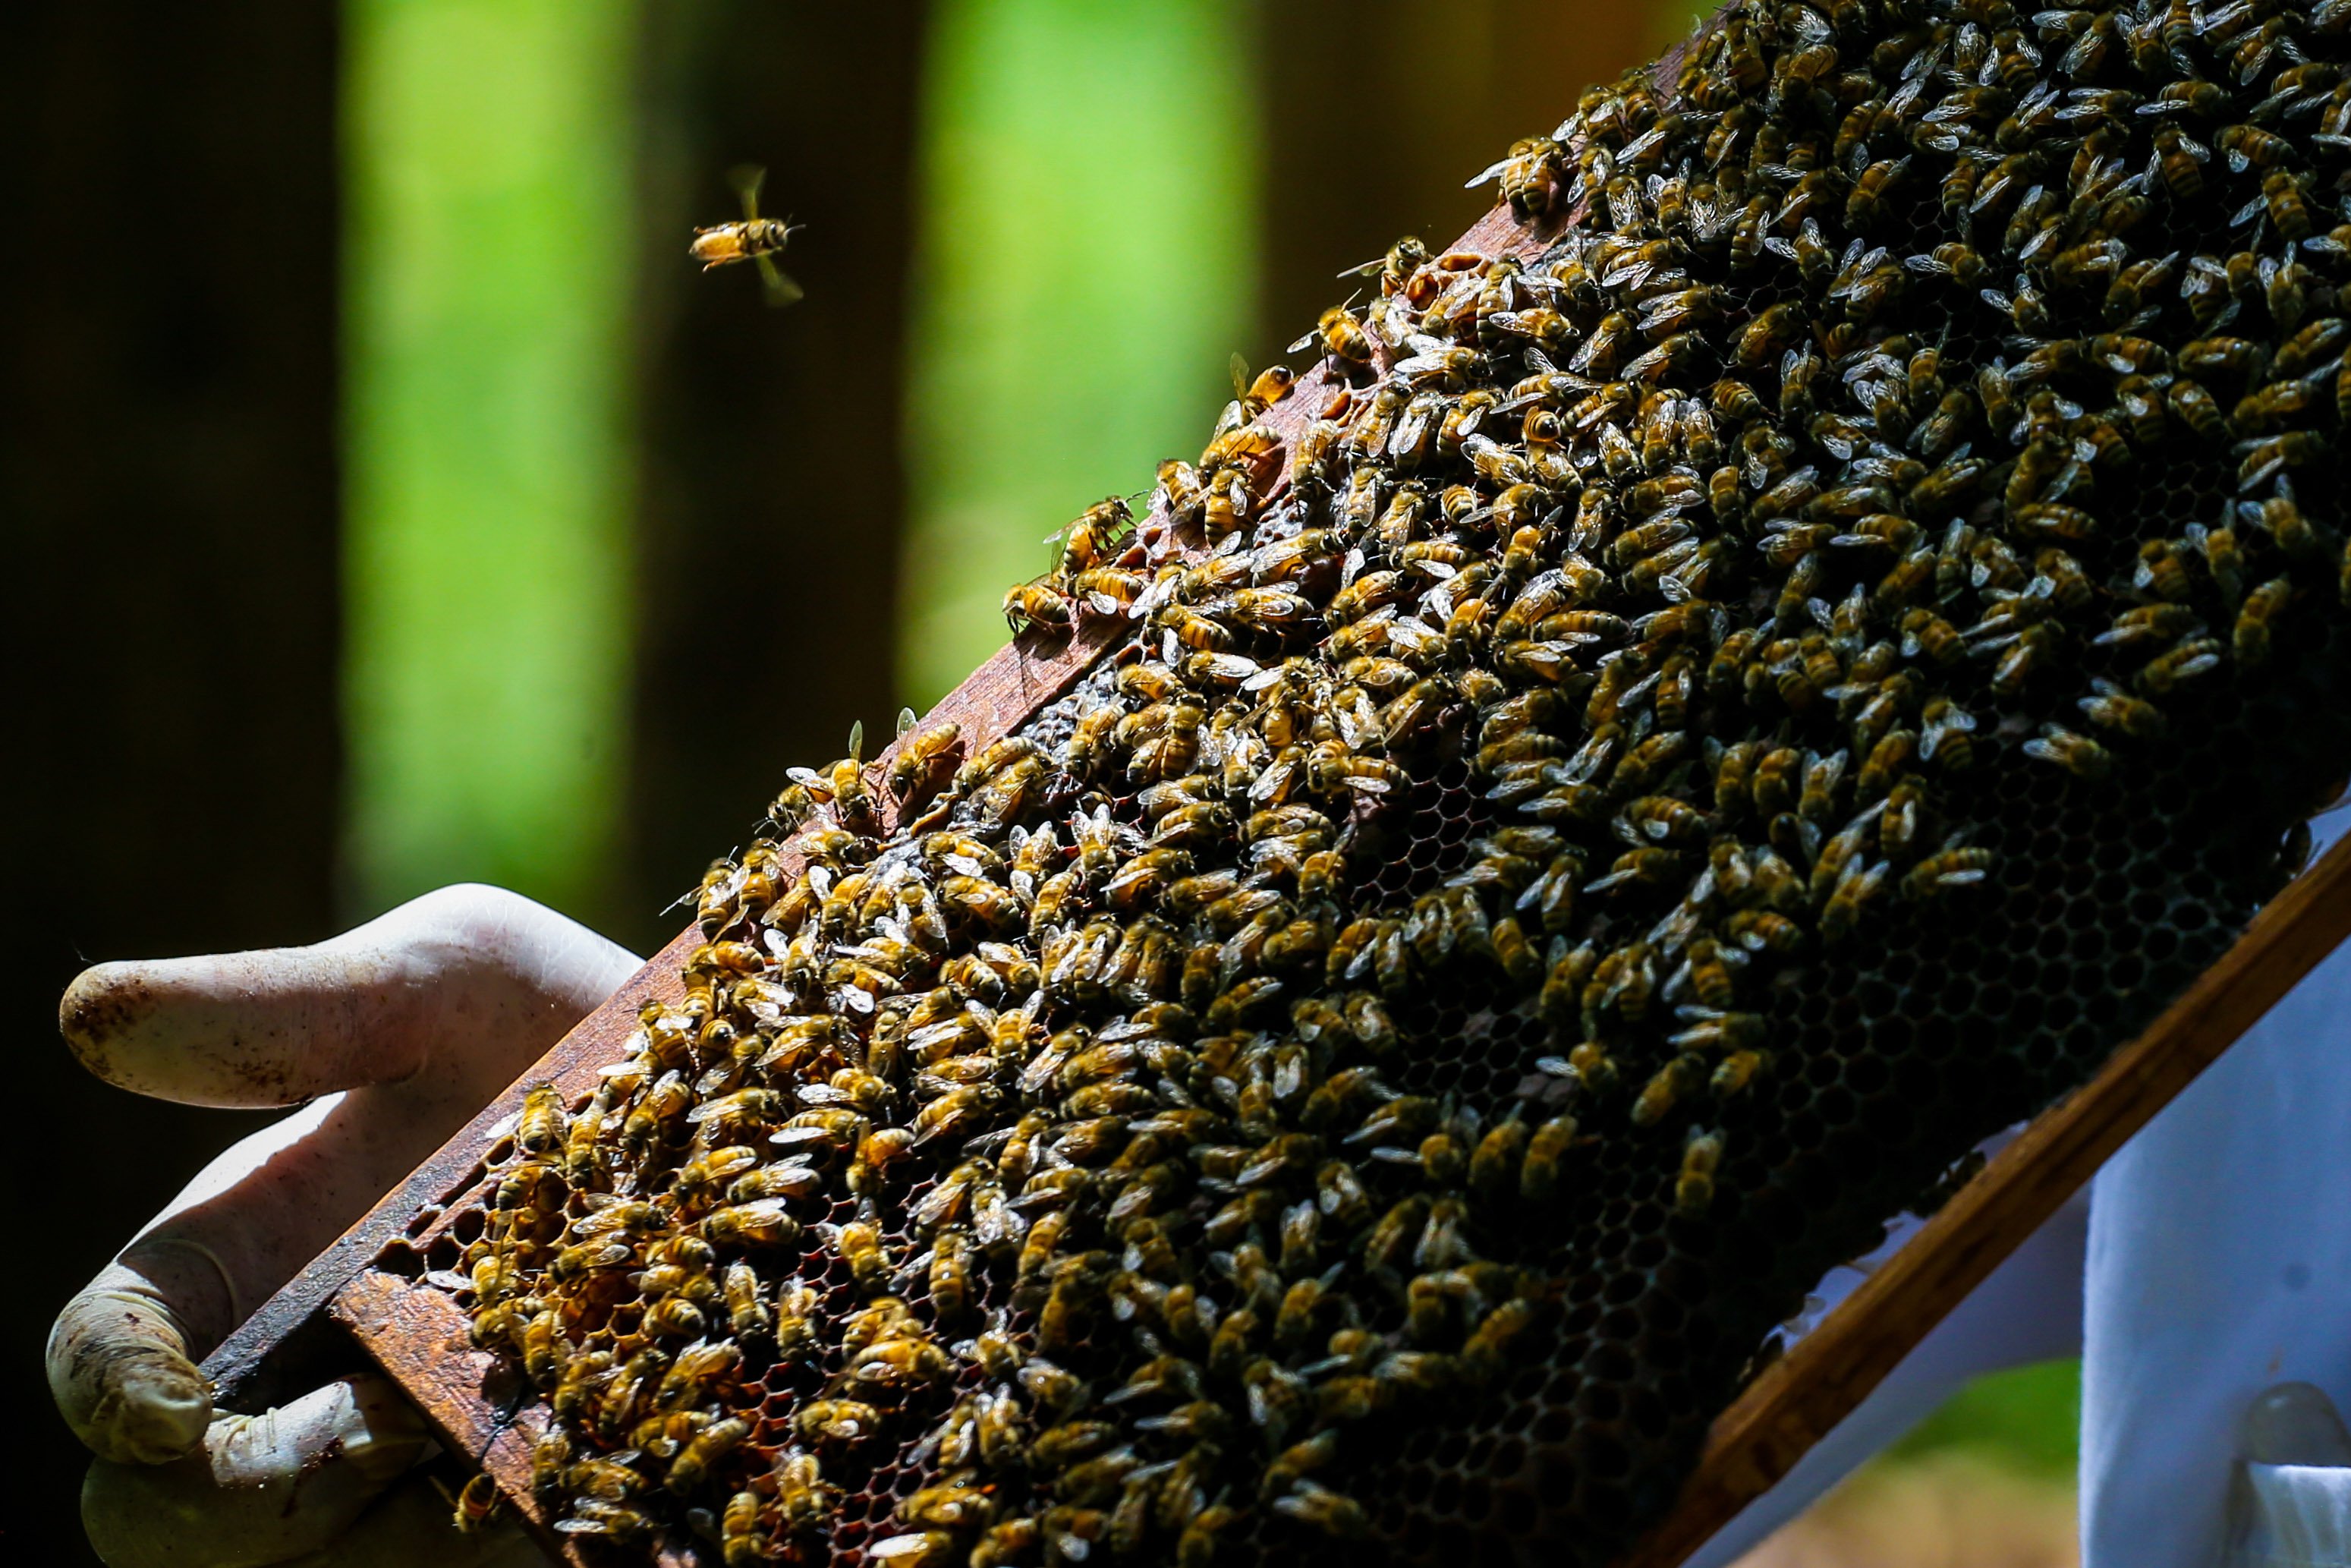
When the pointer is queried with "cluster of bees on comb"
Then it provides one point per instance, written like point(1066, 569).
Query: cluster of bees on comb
point(1050, 1149)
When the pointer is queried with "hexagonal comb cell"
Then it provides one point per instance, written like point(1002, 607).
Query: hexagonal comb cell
point(1717, 712)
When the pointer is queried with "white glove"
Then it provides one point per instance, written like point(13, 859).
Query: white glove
point(395, 1033)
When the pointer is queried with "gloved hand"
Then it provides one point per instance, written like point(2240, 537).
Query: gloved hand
point(395, 1033)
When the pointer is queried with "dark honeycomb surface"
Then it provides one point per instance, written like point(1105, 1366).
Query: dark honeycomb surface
point(2073, 522)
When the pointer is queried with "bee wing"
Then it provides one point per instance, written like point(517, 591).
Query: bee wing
point(1305, 340)
point(1377, 264)
point(1492, 172)
point(1240, 368)
point(747, 179)
point(905, 720)
point(781, 289)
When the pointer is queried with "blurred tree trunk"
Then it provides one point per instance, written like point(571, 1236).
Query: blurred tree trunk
point(772, 489)
point(1377, 112)
point(169, 484)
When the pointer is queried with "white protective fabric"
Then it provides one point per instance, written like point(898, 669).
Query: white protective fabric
point(2029, 1310)
point(2213, 1259)
point(2220, 1263)
point(2304, 1513)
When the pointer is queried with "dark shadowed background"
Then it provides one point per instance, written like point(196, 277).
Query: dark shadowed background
point(390, 502)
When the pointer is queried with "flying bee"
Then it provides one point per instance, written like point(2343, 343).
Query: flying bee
point(754, 239)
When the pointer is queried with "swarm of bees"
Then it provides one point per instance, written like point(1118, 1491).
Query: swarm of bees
point(1920, 409)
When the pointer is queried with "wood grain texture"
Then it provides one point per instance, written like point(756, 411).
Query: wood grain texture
point(1800, 1397)
point(421, 1338)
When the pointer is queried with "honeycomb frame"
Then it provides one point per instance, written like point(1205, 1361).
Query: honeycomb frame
point(2103, 908)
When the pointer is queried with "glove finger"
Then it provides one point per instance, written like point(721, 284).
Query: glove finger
point(263, 1488)
point(121, 1356)
point(453, 994)
point(475, 972)
point(120, 1371)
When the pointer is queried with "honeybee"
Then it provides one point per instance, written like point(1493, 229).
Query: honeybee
point(479, 1505)
point(1773, 328)
point(1865, 203)
point(583, 1376)
point(1040, 603)
point(1684, 1075)
point(742, 1543)
point(2183, 662)
point(1399, 269)
point(838, 1423)
point(540, 1127)
point(754, 239)
point(2261, 610)
point(1342, 338)
point(763, 1223)
point(748, 1312)
point(1253, 396)
point(708, 1448)
point(1701, 1157)
point(1331, 1513)
point(2281, 194)
point(1526, 174)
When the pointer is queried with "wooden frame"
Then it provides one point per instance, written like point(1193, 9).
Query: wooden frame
point(418, 1335)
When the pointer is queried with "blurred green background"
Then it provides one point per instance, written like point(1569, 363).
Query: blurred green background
point(459, 528)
